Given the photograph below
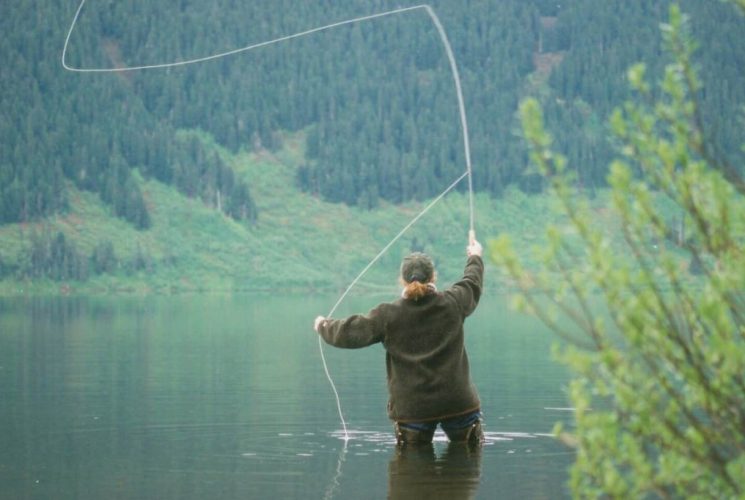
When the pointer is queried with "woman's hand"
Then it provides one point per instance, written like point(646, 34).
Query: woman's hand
point(319, 320)
point(474, 247)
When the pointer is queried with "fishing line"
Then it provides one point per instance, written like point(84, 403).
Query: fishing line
point(395, 239)
point(461, 108)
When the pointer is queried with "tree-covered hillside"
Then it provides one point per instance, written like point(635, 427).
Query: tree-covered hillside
point(375, 100)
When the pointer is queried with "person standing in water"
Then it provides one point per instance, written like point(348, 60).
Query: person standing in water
point(429, 380)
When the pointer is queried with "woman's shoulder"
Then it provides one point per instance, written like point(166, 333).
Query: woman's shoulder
point(388, 308)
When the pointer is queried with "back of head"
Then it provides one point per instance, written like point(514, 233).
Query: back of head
point(417, 273)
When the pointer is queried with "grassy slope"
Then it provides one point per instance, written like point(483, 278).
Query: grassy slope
point(298, 241)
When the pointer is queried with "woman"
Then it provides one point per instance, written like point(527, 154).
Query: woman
point(429, 381)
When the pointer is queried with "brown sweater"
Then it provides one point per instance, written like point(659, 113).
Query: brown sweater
point(426, 360)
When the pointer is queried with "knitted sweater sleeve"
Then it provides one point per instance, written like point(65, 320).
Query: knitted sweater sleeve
point(356, 331)
point(467, 291)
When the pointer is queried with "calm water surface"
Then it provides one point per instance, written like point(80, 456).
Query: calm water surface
point(225, 397)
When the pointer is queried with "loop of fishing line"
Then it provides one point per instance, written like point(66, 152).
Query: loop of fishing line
point(461, 108)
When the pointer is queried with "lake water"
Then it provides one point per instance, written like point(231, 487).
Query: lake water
point(194, 397)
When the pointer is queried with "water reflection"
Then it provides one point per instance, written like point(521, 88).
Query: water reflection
point(417, 472)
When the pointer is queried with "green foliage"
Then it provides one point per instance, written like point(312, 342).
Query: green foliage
point(659, 385)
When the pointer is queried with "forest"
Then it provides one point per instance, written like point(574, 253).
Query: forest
point(374, 101)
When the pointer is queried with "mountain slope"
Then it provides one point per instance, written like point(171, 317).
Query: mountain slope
point(297, 241)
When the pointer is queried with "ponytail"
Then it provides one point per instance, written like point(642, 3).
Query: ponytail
point(416, 290)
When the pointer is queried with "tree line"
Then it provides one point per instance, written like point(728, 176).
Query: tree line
point(56, 257)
